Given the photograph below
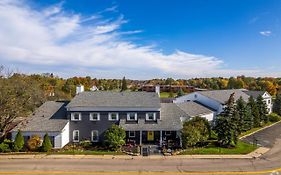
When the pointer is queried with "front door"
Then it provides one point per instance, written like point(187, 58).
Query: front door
point(150, 135)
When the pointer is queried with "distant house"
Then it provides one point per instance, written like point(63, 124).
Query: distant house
point(216, 99)
point(168, 88)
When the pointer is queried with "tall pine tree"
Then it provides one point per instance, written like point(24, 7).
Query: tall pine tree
point(277, 105)
point(262, 109)
point(241, 112)
point(254, 112)
point(124, 84)
point(226, 124)
point(248, 119)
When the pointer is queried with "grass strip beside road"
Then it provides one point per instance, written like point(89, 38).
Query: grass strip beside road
point(241, 148)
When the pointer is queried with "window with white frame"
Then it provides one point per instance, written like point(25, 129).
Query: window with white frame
point(168, 133)
point(94, 116)
point(132, 134)
point(132, 116)
point(269, 102)
point(76, 136)
point(151, 116)
point(76, 116)
point(95, 136)
point(113, 116)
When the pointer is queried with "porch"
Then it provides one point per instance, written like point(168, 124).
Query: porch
point(149, 137)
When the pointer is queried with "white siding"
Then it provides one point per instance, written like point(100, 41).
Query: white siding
point(268, 101)
point(209, 117)
point(195, 96)
point(65, 135)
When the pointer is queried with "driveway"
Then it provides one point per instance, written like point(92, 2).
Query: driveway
point(266, 137)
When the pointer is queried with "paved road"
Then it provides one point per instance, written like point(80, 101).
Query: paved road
point(270, 161)
point(266, 137)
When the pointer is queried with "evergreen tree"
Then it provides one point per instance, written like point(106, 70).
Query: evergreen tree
point(124, 84)
point(254, 112)
point(262, 109)
point(180, 92)
point(19, 141)
point(241, 112)
point(277, 105)
point(226, 124)
point(46, 145)
point(248, 119)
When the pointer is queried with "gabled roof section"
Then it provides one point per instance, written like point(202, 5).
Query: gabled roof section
point(194, 109)
point(170, 119)
point(222, 96)
point(107, 99)
point(255, 94)
point(51, 116)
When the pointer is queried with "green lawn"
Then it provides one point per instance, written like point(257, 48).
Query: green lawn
point(96, 152)
point(241, 148)
point(167, 94)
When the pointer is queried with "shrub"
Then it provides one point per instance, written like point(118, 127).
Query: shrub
point(46, 145)
point(115, 137)
point(4, 147)
point(10, 143)
point(195, 131)
point(34, 143)
point(273, 117)
point(19, 142)
point(86, 143)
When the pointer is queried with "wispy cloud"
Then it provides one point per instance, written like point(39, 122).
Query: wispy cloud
point(266, 33)
point(111, 9)
point(73, 44)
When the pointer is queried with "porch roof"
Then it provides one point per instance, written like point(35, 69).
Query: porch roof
point(170, 120)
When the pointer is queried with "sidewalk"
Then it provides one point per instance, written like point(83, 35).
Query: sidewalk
point(255, 154)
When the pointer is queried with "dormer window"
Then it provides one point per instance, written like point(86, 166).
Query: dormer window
point(132, 116)
point(94, 116)
point(113, 116)
point(76, 116)
point(151, 116)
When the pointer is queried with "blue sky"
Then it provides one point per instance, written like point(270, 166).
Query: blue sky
point(142, 39)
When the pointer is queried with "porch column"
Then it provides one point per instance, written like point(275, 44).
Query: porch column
point(161, 138)
point(179, 134)
point(140, 137)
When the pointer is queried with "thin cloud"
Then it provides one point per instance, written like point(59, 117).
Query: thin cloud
point(111, 9)
point(70, 43)
point(266, 33)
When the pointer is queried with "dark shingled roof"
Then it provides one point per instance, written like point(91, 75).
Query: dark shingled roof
point(254, 94)
point(194, 109)
point(222, 96)
point(170, 115)
point(106, 99)
point(51, 116)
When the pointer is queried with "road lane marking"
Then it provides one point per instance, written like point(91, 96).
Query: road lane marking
point(138, 172)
